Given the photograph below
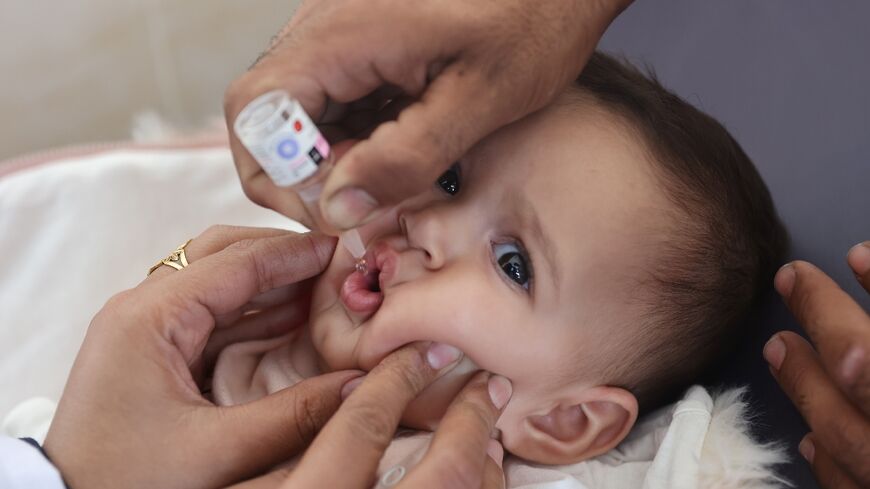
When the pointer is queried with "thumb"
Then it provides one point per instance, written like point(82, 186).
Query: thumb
point(248, 439)
point(403, 157)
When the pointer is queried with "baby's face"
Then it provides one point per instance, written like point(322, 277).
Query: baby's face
point(530, 268)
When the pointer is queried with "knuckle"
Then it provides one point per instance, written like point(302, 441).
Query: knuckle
point(242, 246)
point(215, 230)
point(479, 412)
point(414, 156)
point(796, 383)
point(307, 417)
point(246, 88)
point(474, 405)
point(854, 440)
point(860, 389)
point(404, 376)
point(252, 193)
point(408, 381)
point(795, 380)
point(371, 423)
point(842, 433)
point(106, 318)
point(247, 248)
point(118, 300)
point(310, 245)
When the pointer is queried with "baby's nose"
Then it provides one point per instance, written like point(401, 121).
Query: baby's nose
point(424, 231)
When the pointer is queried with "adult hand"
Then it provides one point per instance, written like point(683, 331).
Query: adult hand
point(462, 455)
point(830, 385)
point(132, 414)
point(468, 67)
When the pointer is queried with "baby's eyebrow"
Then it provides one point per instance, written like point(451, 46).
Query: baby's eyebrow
point(533, 224)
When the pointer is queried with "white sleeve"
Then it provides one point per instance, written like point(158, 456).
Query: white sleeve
point(23, 467)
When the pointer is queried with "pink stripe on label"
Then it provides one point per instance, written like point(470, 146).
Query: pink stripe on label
point(322, 146)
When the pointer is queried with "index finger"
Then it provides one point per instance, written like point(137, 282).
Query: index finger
point(459, 452)
point(838, 326)
point(187, 302)
point(364, 425)
point(838, 425)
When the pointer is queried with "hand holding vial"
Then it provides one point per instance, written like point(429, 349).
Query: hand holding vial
point(294, 154)
point(420, 85)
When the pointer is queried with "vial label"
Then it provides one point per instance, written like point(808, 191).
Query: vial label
point(288, 147)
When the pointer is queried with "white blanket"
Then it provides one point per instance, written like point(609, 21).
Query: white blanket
point(75, 231)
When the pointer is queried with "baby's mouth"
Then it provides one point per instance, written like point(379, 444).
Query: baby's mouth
point(361, 293)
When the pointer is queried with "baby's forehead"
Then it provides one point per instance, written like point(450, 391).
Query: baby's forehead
point(573, 141)
point(574, 158)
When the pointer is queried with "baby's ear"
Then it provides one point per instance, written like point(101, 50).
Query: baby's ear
point(582, 426)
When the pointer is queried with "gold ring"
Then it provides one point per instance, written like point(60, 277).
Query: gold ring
point(177, 259)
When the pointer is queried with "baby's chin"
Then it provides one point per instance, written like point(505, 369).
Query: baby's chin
point(333, 333)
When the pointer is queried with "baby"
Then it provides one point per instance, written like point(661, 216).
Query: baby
point(599, 253)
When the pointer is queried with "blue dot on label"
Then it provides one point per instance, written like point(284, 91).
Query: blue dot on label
point(288, 149)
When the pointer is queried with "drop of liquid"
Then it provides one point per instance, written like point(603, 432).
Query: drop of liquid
point(361, 266)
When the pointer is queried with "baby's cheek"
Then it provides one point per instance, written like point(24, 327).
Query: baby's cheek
point(334, 339)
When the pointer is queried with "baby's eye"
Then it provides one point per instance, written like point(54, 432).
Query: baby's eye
point(513, 263)
point(449, 180)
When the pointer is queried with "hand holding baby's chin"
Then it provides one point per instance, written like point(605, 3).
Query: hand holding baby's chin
point(364, 425)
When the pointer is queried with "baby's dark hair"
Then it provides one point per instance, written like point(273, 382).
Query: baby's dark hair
point(724, 245)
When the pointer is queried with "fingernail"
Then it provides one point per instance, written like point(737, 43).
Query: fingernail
point(853, 360)
point(774, 352)
point(807, 449)
point(351, 386)
point(859, 258)
point(441, 355)
point(495, 452)
point(500, 390)
point(349, 207)
point(784, 280)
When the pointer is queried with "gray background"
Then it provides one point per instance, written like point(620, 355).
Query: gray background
point(79, 72)
point(790, 80)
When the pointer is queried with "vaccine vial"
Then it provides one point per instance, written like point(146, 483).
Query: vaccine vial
point(285, 142)
point(278, 133)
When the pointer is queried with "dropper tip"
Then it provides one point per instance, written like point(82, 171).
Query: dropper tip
point(352, 241)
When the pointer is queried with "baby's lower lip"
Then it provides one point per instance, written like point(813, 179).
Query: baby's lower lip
point(357, 297)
